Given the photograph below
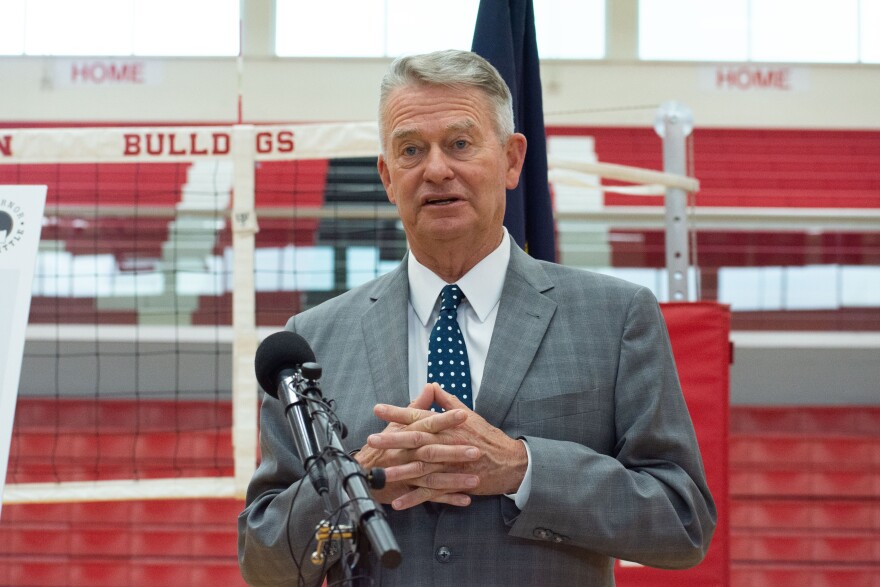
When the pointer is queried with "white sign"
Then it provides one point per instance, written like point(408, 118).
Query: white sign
point(180, 143)
point(750, 78)
point(21, 218)
point(107, 72)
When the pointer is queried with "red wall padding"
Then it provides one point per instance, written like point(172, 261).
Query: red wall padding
point(700, 335)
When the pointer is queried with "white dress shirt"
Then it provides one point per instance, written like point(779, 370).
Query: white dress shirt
point(476, 315)
point(482, 287)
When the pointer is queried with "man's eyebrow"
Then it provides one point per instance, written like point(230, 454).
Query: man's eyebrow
point(457, 126)
point(460, 125)
point(403, 133)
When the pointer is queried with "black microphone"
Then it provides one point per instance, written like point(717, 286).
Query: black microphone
point(284, 362)
point(277, 362)
point(280, 351)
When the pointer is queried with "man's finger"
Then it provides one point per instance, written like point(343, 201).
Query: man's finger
point(429, 459)
point(421, 495)
point(421, 420)
point(411, 439)
point(446, 453)
point(425, 399)
point(449, 481)
point(409, 471)
point(457, 499)
point(431, 476)
point(447, 401)
point(403, 439)
point(397, 415)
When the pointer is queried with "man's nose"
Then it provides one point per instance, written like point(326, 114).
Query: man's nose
point(437, 167)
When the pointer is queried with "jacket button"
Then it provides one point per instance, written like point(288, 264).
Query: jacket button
point(542, 533)
point(443, 554)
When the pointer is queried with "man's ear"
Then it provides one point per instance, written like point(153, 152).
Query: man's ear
point(516, 156)
point(385, 176)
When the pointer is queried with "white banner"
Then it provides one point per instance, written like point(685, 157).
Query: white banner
point(21, 218)
point(183, 144)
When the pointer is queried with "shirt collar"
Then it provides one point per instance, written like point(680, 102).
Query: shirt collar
point(481, 285)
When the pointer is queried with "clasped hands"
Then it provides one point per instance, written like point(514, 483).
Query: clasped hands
point(443, 457)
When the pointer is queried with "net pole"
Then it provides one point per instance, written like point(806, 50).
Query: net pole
point(244, 329)
point(239, 66)
point(674, 123)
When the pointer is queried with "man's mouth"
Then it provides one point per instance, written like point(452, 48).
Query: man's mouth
point(440, 201)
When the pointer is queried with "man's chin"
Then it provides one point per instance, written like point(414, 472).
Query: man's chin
point(448, 229)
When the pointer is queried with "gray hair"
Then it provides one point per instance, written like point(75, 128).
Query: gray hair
point(454, 69)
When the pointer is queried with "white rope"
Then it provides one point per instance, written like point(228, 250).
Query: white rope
point(121, 490)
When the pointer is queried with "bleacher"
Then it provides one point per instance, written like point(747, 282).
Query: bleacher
point(130, 543)
point(805, 496)
point(804, 511)
point(764, 168)
point(126, 543)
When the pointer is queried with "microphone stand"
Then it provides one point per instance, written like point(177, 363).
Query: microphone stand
point(324, 457)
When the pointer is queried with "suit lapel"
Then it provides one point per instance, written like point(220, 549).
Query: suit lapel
point(524, 314)
point(385, 338)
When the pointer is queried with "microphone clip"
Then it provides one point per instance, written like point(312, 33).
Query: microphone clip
point(327, 538)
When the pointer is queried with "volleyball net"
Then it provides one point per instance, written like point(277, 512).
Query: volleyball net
point(151, 280)
point(155, 282)
point(168, 253)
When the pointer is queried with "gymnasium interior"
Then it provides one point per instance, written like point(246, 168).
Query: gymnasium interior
point(135, 408)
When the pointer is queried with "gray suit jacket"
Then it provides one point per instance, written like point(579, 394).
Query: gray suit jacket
point(580, 367)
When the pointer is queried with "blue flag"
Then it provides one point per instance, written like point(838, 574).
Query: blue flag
point(505, 36)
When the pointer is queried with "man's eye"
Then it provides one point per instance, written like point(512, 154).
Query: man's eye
point(409, 151)
point(460, 144)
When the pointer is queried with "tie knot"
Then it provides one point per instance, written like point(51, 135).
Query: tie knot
point(450, 297)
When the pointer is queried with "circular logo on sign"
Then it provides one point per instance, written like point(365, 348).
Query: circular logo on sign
point(6, 225)
point(11, 225)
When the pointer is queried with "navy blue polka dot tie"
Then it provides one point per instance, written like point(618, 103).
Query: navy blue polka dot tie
point(447, 355)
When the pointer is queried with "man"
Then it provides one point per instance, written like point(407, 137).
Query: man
point(578, 448)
